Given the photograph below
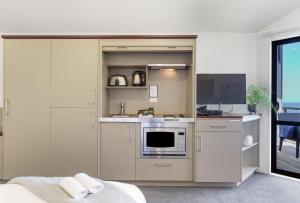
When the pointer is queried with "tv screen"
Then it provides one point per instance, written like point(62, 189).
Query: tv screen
point(221, 89)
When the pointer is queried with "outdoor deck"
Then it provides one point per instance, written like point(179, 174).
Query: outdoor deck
point(286, 159)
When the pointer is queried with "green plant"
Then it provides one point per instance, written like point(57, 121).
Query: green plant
point(258, 95)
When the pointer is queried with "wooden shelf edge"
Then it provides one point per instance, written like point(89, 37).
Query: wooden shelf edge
point(99, 36)
point(249, 147)
point(247, 171)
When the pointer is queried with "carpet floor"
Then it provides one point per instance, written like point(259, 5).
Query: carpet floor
point(257, 189)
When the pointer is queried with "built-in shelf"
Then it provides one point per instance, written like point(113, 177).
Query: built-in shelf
point(247, 171)
point(251, 118)
point(249, 147)
point(126, 87)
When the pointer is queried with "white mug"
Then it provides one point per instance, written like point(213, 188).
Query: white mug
point(248, 140)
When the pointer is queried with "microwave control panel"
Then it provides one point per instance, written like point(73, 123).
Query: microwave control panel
point(181, 140)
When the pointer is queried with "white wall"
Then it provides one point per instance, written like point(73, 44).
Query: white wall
point(228, 53)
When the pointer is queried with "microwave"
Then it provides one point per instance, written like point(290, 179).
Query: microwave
point(166, 139)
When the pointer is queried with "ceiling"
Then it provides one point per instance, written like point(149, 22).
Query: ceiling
point(140, 16)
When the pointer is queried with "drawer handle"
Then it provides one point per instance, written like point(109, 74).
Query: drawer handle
point(172, 47)
point(122, 47)
point(171, 119)
point(218, 126)
point(164, 164)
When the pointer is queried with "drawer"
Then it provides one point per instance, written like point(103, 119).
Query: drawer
point(1, 146)
point(218, 125)
point(164, 169)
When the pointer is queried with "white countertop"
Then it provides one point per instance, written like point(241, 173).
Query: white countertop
point(140, 120)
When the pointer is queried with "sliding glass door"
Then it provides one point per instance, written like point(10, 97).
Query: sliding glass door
point(286, 98)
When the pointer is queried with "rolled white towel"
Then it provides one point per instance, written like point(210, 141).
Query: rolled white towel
point(92, 185)
point(73, 187)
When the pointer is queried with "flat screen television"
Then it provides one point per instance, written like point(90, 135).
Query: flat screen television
point(221, 89)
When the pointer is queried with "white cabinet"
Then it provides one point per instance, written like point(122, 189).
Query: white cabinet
point(74, 73)
point(219, 154)
point(117, 151)
point(218, 157)
point(27, 113)
point(74, 141)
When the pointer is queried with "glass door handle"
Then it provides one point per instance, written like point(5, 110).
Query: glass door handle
point(276, 105)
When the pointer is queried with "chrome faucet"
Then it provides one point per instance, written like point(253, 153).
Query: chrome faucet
point(122, 108)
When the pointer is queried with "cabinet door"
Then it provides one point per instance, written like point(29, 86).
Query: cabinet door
point(117, 151)
point(218, 157)
point(74, 73)
point(74, 141)
point(27, 112)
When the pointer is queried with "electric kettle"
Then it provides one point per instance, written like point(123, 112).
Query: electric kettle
point(139, 78)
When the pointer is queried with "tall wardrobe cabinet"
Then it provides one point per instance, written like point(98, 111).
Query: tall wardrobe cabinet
point(27, 66)
point(74, 106)
point(50, 107)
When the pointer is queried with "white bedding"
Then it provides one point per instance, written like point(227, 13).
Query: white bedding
point(14, 193)
point(131, 190)
point(34, 189)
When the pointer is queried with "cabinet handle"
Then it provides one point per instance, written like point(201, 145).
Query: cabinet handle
point(131, 132)
point(218, 126)
point(94, 120)
point(6, 107)
point(200, 143)
point(172, 47)
point(94, 96)
point(122, 47)
point(163, 164)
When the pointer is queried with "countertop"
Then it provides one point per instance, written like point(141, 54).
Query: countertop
point(135, 119)
point(140, 120)
point(242, 117)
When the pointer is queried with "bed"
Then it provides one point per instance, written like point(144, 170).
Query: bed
point(44, 189)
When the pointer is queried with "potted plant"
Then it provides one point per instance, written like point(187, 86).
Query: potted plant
point(255, 96)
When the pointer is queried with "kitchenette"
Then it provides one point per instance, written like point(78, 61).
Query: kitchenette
point(147, 119)
point(118, 108)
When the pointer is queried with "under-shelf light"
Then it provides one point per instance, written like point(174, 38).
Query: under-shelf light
point(167, 67)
